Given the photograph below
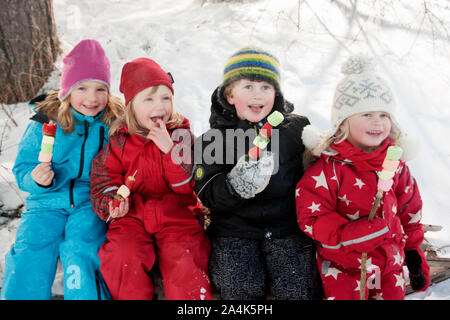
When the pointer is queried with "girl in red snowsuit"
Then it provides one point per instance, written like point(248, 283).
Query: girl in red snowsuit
point(159, 219)
point(336, 193)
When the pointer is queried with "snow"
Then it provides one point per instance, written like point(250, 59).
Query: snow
point(193, 38)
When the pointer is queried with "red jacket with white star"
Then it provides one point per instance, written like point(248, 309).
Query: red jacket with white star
point(335, 192)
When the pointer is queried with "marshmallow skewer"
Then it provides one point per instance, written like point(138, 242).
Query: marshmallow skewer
point(390, 165)
point(123, 192)
point(262, 140)
point(48, 140)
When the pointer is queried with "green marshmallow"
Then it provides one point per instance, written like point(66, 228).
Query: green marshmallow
point(394, 153)
point(47, 148)
point(275, 118)
point(260, 142)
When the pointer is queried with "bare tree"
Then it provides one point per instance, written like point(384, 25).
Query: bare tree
point(28, 48)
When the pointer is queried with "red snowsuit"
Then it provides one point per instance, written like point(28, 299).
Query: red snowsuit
point(162, 222)
point(332, 195)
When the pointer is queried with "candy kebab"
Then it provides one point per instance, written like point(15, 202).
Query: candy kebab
point(262, 140)
point(390, 165)
point(123, 192)
point(48, 140)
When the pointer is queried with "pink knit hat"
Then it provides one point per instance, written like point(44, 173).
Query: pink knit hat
point(86, 62)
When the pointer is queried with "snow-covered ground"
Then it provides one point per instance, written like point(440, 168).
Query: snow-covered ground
point(193, 38)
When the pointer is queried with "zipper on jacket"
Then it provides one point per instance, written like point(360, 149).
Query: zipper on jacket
point(80, 171)
point(102, 138)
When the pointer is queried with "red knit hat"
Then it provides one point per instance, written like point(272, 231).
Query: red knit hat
point(141, 74)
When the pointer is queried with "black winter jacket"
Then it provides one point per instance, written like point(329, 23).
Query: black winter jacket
point(270, 213)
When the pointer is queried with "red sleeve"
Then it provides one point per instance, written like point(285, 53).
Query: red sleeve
point(178, 162)
point(409, 208)
point(316, 206)
point(106, 175)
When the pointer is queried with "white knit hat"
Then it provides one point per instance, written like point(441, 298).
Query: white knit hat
point(361, 90)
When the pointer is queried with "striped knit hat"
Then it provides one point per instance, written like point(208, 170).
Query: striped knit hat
point(254, 64)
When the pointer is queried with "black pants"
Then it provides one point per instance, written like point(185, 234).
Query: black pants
point(246, 269)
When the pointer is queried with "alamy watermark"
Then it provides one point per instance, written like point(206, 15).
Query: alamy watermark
point(219, 146)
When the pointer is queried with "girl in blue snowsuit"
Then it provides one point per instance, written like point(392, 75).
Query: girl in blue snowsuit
point(59, 220)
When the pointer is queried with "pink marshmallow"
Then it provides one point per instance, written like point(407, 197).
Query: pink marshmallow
point(45, 157)
point(390, 165)
point(385, 185)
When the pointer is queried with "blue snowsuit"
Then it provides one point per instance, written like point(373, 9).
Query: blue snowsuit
point(59, 221)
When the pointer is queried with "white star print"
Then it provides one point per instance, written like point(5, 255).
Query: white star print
point(378, 296)
point(359, 183)
point(321, 181)
point(369, 265)
point(415, 217)
point(314, 207)
point(353, 216)
point(398, 259)
point(358, 286)
point(400, 280)
point(333, 272)
point(308, 229)
point(344, 198)
point(407, 189)
point(297, 192)
point(394, 209)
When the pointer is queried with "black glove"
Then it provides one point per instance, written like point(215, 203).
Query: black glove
point(414, 262)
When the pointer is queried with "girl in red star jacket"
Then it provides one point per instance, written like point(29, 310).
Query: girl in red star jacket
point(159, 217)
point(336, 193)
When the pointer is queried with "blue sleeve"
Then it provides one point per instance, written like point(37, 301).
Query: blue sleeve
point(27, 160)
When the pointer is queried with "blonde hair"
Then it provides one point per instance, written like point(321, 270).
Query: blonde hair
point(129, 119)
point(60, 112)
point(341, 134)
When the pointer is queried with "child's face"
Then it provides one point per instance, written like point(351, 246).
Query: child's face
point(253, 100)
point(89, 98)
point(367, 130)
point(153, 104)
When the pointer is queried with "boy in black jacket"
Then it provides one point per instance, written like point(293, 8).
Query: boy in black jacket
point(256, 244)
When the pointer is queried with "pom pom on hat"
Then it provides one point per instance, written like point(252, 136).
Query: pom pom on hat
point(312, 138)
point(411, 147)
point(358, 64)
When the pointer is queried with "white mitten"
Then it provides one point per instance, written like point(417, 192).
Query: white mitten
point(249, 177)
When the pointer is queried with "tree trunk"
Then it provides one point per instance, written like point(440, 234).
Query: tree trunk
point(28, 48)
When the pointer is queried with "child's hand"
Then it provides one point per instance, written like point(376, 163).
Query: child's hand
point(250, 177)
point(43, 174)
point(416, 276)
point(364, 235)
point(119, 211)
point(159, 135)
